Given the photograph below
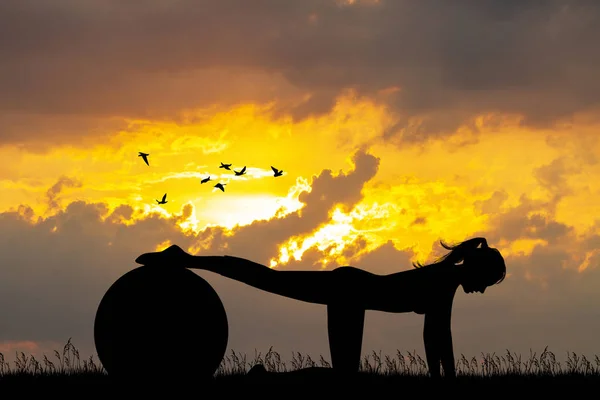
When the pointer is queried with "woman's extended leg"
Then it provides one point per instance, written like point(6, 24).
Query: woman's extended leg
point(319, 287)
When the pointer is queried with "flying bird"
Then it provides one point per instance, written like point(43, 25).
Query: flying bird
point(276, 172)
point(240, 173)
point(163, 201)
point(144, 156)
point(205, 180)
point(226, 166)
point(221, 186)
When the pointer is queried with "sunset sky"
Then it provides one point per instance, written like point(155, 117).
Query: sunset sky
point(397, 124)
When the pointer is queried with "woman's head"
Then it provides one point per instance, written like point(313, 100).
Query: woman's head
point(480, 266)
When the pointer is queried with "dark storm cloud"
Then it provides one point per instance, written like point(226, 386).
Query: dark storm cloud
point(451, 60)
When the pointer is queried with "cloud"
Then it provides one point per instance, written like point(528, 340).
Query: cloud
point(57, 188)
point(262, 238)
point(554, 176)
point(527, 220)
point(385, 259)
point(493, 204)
point(450, 62)
point(56, 269)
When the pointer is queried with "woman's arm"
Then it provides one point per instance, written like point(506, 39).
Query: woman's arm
point(437, 336)
point(447, 354)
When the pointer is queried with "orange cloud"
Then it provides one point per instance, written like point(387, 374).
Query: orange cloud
point(26, 346)
point(418, 195)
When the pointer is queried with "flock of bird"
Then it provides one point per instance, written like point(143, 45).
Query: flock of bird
point(276, 173)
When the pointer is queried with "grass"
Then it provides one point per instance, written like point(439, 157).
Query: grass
point(67, 366)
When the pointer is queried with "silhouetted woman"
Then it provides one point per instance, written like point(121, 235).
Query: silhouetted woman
point(348, 292)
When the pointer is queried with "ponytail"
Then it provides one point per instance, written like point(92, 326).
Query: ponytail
point(459, 251)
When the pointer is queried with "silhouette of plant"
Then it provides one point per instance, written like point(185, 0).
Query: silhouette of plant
point(69, 363)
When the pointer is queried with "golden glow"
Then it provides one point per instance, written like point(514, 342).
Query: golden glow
point(520, 247)
point(191, 223)
point(181, 154)
point(363, 221)
point(419, 195)
point(586, 262)
point(162, 246)
point(332, 237)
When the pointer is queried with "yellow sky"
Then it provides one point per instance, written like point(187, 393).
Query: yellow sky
point(438, 185)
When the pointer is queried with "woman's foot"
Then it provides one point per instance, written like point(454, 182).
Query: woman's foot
point(171, 255)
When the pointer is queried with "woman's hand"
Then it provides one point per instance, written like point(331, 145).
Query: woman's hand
point(173, 255)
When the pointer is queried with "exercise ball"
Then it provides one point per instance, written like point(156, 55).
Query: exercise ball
point(161, 322)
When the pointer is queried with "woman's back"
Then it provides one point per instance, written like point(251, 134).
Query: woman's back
point(416, 290)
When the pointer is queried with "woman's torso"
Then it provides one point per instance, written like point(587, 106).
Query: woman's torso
point(418, 290)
